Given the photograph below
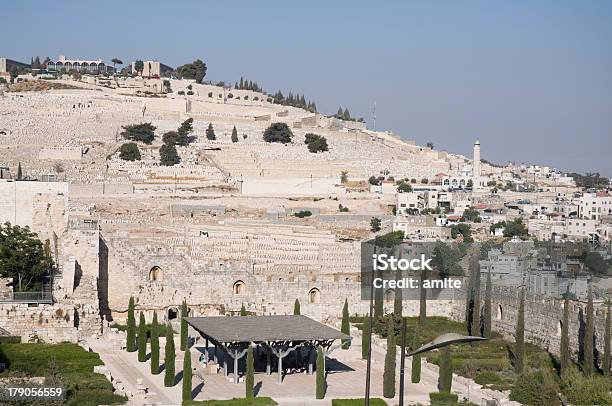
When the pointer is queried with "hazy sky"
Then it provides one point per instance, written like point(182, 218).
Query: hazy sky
point(531, 79)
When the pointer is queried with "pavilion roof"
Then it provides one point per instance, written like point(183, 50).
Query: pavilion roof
point(263, 328)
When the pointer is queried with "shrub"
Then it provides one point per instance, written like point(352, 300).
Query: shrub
point(168, 155)
point(316, 143)
point(10, 339)
point(144, 132)
point(210, 133)
point(181, 92)
point(303, 213)
point(358, 402)
point(129, 152)
point(585, 390)
point(190, 93)
point(131, 327)
point(488, 378)
point(278, 132)
point(535, 388)
point(443, 398)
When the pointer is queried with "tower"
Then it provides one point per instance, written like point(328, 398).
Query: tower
point(476, 163)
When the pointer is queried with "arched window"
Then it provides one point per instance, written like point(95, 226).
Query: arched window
point(500, 313)
point(239, 288)
point(314, 296)
point(155, 274)
point(559, 328)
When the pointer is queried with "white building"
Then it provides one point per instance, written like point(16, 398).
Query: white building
point(595, 205)
point(79, 65)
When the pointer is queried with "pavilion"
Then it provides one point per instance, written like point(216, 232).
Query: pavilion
point(270, 335)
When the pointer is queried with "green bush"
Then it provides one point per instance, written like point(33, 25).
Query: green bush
point(278, 132)
point(358, 402)
point(443, 398)
point(10, 339)
point(536, 388)
point(129, 152)
point(488, 378)
point(303, 213)
point(586, 390)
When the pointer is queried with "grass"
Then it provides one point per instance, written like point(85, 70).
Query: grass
point(232, 402)
point(161, 328)
point(74, 366)
point(358, 402)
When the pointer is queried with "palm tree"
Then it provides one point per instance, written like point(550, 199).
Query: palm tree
point(116, 61)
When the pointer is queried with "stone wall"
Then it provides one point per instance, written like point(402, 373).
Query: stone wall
point(47, 323)
point(17, 199)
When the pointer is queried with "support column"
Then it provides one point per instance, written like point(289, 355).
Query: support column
point(215, 357)
point(206, 353)
point(310, 361)
point(268, 367)
point(235, 355)
point(224, 366)
point(280, 367)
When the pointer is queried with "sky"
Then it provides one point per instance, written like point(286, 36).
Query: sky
point(531, 79)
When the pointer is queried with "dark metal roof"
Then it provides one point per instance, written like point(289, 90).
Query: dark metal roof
point(263, 328)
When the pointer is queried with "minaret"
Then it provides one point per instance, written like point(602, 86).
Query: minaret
point(476, 163)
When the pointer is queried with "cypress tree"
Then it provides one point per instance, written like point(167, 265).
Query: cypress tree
point(588, 363)
point(187, 375)
point(243, 311)
point(296, 308)
point(184, 328)
point(389, 371)
point(416, 359)
point(210, 133)
point(320, 374)
point(241, 83)
point(234, 135)
point(397, 299)
point(154, 346)
point(19, 172)
point(365, 338)
point(423, 301)
point(250, 374)
point(169, 357)
point(487, 308)
point(519, 351)
point(345, 327)
point(445, 379)
point(131, 327)
point(142, 339)
point(564, 346)
point(606, 356)
point(476, 291)
point(378, 300)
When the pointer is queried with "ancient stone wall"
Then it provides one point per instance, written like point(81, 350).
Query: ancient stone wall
point(45, 322)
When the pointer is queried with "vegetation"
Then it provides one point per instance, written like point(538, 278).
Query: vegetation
point(294, 101)
point(63, 364)
point(486, 330)
point(187, 375)
point(471, 215)
point(168, 155)
point(589, 180)
point(234, 135)
point(404, 187)
point(195, 70)
point(250, 374)
point(365, 338)
point(519, 337)
point(345, 326)
point(210, 133)
point(345, 115)
point(390, 361)
point(463, 229)
point(358, 402)
point(320, 374)
point(232, 402)
point(154, 331)
point(144, 132)
point(588, 365)
point(142, 339)
point(23, 258)
point(278, 132)
point(247, 85)
point(303, 213)
point(606, 362)
point(375, 224)
point(139, 66)
point(389, 240)
point(169, 358)
point(296, 308)
point(344, 177)
point(416, 359)
point(184, 328)
point(131, 327)
point(183, 132)
point(19, 172)
point(445, 379)
point(445, 259)
point(129, 152)
point(316, 143)
point(512, 228)
point(243, 311)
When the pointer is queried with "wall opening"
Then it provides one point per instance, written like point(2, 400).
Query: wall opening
point(155, 274)
point(314, 296)
point(239, 288)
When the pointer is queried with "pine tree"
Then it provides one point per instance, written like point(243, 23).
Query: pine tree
point(346, 115)
point(320, 374)
point(210, 133)
point(250, 374)
point(345, 327)
point(365, 338)
point(588, 362)
point(390, 357)
point(296, 308)
point(154, 346)
point(243, 311)
point(187, 375)
point(519, 351)
point(234, 135)
point(142, 339)
point(416, 359)
point(19, 172)
point(606, 356)
point(445, 379)
point(184, 328)
point(131, 327)
point(241, 83)
point(564, 346)
point(169, 379)
point(487, 308)
point(340, 113)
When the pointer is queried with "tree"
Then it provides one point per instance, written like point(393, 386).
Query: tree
point(184, 328)
point(589, 332)
point(320, 374)
point(365, 338)
point(169, 357)
point(344, 177)
point(19, 172)
point(154, 346)
point(296, 308)
point(129, 152)
point(116, 61)
point(250, 374)
point(139, 66)
point(389, 371)
point(144, 132)
point(195, 70)
point(430, 145)
point(375, 224)
point(606, 363)
point(596, 264)
point(404, 187)
point(168, 155)
point(487, 308)
point(23, 258)
point(345, 326)
point(234, 135)
point(142, 339)
point(131, 327)
point(445, 379)
point(243, 311)
point(210, 133)
point(316, 143)
point(471, 215)
point(183, 132)
point(278, 132)
point(519, 338)
point(416, 359)
point(170, 137)
point(564, 361)
point(187, 375)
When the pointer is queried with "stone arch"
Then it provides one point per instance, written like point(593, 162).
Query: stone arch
point(172, 313)
point(155, 274)
point(390, 295)
point(559, 328)
point(239, 288)
point(314, 295)
point(500, 313)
